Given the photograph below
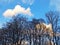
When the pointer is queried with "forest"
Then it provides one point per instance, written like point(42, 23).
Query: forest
point(21, 31)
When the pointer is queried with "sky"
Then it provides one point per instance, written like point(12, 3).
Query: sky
point(30, 8)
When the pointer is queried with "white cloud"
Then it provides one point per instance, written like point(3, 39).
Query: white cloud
point(55, 4)
point(17, 10)
point(29, 2)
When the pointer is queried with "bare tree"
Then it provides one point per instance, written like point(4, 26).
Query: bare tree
point(53, 18)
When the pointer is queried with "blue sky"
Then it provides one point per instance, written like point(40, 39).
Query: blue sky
point(31, 8)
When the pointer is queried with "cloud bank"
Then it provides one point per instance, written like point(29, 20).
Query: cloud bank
point(29, 2)
point(55, 4)
point(17, 10)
